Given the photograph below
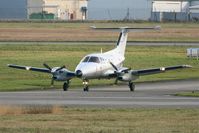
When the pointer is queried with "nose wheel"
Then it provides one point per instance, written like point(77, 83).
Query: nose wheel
point(66, 86)
point(131, 86)
point(85, 83)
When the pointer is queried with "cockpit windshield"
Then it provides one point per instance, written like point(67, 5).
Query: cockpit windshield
point(91, 59)
point(94, 59)
point(86, 59)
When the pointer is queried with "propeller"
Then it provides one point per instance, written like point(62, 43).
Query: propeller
point(47, 66)
point(113, 66)
point(116, 72)
point(61, 68)
point(53, 72)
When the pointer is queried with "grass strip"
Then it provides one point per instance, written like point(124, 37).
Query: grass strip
point(188, 94)
point(98, 120)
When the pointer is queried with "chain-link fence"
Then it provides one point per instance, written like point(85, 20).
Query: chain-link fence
point(119, 14)
point(53, 13)
point(174, 16)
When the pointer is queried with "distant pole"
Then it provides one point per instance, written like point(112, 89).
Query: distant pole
point(127, 17)
point(175, 16)
point(109, 14)
point(152, 11)
point(27, 10)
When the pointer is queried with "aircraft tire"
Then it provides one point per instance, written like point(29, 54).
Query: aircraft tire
point(131, 86)
point(65, 86)
point(86, 89)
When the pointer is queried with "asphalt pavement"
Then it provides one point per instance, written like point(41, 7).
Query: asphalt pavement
point(146, 95)
point(131, 43)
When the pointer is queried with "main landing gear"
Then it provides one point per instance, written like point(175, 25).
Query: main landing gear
point(85, 83)
point(66, 85)
point(131, 86)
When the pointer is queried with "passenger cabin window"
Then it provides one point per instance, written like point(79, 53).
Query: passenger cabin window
point(86, 59)
point(94, 59)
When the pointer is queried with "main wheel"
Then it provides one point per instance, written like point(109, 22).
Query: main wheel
point(131, 86)
point(65, 86)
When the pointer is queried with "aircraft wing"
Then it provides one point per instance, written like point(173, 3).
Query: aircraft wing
point(157, 70)
point(29, 68)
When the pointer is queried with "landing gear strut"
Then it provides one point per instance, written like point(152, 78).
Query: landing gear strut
point(131, 86)
point(66, 85)
point(85, 83)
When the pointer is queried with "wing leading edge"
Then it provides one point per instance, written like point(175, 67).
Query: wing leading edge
point(158, 70)
point(29, 68)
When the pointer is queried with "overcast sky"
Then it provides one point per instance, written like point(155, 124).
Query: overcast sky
point(98, 9)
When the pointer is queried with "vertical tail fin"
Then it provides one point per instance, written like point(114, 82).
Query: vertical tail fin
point(122, 40)
point(121, 43)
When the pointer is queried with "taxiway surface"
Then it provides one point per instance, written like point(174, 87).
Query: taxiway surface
point(149, 95)
point(99, 43)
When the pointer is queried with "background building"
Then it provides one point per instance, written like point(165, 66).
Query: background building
point(175, 10)
point(155, 10)
point(97, 9)
point(57, 9)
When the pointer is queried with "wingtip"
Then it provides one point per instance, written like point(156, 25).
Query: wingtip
point(93, 27)
point(8, 65)
point(187, 66)
point(162, 68)
point(158, 27)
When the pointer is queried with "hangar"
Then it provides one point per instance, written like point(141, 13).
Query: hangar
point(57, 9)
point(177, 10)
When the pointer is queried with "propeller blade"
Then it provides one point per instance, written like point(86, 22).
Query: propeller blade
point(113, 66)
point(61, 68)
point(47, 66)
point(126, 70)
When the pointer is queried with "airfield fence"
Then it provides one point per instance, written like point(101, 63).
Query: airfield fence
point(124, 14)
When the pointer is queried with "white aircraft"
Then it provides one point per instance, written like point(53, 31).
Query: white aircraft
point(102, 65)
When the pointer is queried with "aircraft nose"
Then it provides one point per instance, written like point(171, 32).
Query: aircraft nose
point(79, 73)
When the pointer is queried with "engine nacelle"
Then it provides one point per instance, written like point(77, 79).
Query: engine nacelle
point(126, 77)
point(63, 75)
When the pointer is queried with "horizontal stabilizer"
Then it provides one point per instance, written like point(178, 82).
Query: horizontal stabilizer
point(127, 29)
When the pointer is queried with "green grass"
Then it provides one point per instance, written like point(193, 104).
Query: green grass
point(137, 57)
point(27, 31)
point(73, 120)
point(188, 94)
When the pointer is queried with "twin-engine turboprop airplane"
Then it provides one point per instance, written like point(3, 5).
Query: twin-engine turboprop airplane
point(102, 65)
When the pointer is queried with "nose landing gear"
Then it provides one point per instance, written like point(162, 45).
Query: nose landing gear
point(85, 83)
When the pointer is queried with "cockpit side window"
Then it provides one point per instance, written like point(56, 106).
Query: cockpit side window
point(102, 59)
point(94, 59)
point(86, 59)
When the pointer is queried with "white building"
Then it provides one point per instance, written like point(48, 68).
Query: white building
point(170, 6)
point(60, 9)
point(174, 9)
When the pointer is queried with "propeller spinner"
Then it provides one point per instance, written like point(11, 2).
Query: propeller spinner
point(53, 72)
point(118, 73)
